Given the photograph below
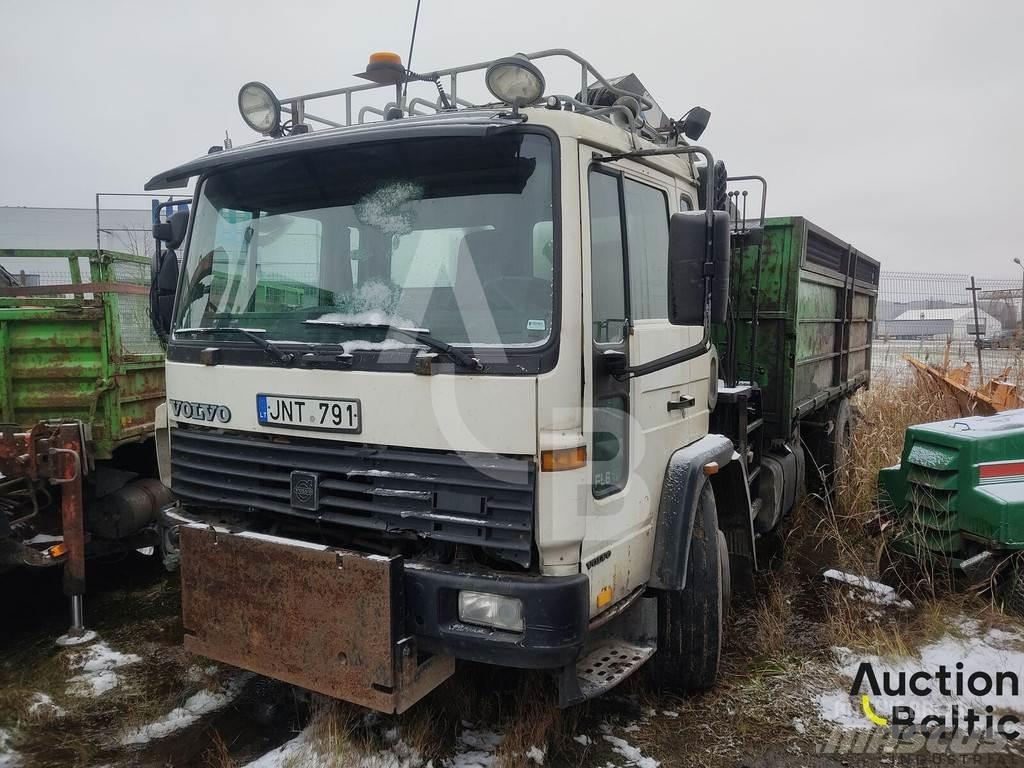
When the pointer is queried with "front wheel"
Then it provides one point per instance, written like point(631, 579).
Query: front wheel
point(690, 621)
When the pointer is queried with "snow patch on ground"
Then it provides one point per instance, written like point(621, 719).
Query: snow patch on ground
point(631, 753)
point(8, 757)
point(197, 705)
point(97, 667)
point(869, 591)
point(297, 753)
point(476, 749)
point(301, 752)
point(198, 674)
point(536, 755)
point(988, 651)
point(583, 739)
point(42, 706)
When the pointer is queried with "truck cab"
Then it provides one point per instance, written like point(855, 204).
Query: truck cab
point(440, 386)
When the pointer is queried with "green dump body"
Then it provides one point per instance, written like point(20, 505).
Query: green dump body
point(959, 487)
point(81, 349)
point(815, 316)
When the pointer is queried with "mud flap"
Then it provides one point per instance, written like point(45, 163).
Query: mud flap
point(325, 619)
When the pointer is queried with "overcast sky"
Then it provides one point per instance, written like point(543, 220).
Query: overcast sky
point(895, 125)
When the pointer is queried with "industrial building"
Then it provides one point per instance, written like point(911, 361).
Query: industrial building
point(949, 322)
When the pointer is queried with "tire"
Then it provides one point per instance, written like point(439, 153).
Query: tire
point(690, 621)
point(839, 440)
point(829, 452)
point(723, 559)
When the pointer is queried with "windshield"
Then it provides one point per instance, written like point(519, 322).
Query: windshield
point(450, 235)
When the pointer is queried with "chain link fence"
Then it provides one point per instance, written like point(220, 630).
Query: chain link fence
point(934, 318)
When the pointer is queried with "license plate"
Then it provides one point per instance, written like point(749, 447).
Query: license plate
point(308, 413)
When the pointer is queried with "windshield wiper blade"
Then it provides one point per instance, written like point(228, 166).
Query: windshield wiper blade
point(250, 333)
point(422, 335)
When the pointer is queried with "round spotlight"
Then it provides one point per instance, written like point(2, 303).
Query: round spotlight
point(260, 108)
point(515, 81)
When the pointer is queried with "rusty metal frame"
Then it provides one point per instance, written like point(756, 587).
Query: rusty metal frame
point(54, 453)
point(62, 289)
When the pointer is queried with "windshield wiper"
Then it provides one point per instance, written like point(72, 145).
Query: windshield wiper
point(252, 334)
point(422, 335)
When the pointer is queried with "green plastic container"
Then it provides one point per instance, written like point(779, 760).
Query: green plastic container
point(959, 487)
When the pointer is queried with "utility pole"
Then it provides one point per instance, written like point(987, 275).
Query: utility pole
point(1020, 320)
point(977, 330)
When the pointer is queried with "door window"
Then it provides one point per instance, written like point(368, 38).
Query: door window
point(607, 265)
point(609, 456)
point(628, 225)
point(647, 246)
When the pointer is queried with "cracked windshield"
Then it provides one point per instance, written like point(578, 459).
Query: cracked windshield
point(453, 236)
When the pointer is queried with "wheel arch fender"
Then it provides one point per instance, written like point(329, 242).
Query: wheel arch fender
point(680, 493)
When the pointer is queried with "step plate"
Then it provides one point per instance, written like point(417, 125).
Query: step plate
point(609, 664)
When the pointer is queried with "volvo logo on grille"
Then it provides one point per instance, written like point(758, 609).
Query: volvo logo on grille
point(305, 490)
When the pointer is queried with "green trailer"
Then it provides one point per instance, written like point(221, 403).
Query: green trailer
point(81, 376)
point(800, 327)
point(81, 350)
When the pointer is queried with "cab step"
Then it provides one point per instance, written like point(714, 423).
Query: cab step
point(609, 664)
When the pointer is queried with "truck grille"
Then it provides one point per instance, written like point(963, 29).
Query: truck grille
point(477, 499)
point(932, 483)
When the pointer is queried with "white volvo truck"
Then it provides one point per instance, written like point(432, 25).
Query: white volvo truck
point(440, 380)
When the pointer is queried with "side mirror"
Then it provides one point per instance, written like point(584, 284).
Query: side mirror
point(172, 231)
point(686, 254)
point(162, 290)
point(694, 123)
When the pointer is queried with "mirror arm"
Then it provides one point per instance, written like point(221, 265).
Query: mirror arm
point(673, 358)
point(701, 347)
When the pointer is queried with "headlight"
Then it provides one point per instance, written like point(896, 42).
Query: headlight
point(515, 81)
point(260, 108)
point(490, 610)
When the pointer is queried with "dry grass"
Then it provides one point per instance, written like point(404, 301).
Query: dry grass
point(521, 707)
point(881, 417)
point(218, 755)
point(883, 414)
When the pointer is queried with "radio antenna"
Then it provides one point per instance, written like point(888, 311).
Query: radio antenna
point(408, 60)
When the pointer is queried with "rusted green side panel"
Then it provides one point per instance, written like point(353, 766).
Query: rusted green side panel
point(815, 316)
point(89, 357)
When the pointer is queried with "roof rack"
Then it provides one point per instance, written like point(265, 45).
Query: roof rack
point(590, 79)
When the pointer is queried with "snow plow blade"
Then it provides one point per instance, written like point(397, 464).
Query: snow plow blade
point(325, 619)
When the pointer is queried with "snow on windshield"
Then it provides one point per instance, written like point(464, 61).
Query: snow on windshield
point(385, 208)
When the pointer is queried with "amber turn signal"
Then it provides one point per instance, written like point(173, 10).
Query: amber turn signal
point(57, 550)
point(563, 458)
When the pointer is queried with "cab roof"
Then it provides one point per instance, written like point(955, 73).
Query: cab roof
point(462, 123)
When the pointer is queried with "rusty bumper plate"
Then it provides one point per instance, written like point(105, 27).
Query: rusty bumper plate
point(329, 620)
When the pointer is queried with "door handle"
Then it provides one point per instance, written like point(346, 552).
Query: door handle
point(684, 402)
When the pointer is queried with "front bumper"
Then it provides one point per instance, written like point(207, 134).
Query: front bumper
point(555, 612)
point(379, 631)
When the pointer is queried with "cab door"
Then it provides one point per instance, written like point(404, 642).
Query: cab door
point(633, 424)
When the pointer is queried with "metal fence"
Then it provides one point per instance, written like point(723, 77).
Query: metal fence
point(934, 318)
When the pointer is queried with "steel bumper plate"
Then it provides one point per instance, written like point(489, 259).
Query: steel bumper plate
point(325, 619)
